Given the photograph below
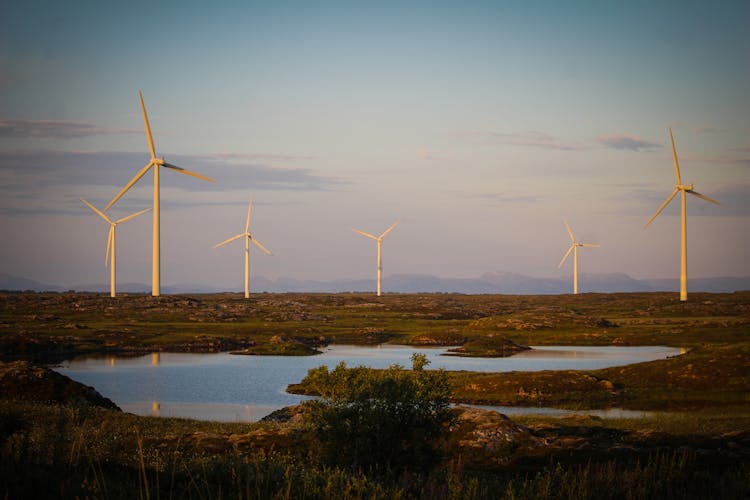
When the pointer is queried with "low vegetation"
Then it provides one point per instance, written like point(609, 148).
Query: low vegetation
point(55, 325)
point(380, 419)
point(60, 440)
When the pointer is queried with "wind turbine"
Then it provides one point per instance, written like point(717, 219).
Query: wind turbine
point(574, 248)
point(155, 162)
point(111, 240)
point(379, 239)
point(683, 189)
point(248, 238)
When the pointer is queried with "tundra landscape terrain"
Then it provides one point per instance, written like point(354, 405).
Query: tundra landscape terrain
point(692, 441)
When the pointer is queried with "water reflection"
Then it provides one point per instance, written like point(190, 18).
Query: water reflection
point(246, 388)
point(559, 412)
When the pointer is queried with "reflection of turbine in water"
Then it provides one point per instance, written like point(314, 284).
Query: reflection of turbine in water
point(155, 358)
point(110, 360)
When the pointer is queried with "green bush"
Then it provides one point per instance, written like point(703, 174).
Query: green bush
point(380, 419)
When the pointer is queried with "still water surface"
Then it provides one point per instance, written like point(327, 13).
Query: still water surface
point(226, 387)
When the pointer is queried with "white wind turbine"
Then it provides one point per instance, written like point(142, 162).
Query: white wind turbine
point(155, 162)
point(248, 238)
point(574, 248)
point(379, 239)
point(111, 247)
point(682, 189)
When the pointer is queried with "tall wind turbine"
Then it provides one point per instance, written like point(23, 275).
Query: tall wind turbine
point(574, 248)
point(111, 248)
point(155, 162)
point(379, 239)
point(248, 238)
point(683, 189)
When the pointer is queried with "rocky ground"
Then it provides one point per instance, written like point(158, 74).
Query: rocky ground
point(24, 381)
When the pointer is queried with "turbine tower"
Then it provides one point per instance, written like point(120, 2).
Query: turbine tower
point(574, 248)
point(155, 162)
point(111, 240)
point(683, 189)
point(379, 239)
point(248, 239)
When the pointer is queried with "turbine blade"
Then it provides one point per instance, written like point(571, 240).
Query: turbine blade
point(109, 244)
point(97, 211)
point(365, 234)
point(229, 240)
point(389, 229)
point(188, 172)
point(148, 127)
point(135, 179)
point(666, 202)
point(570, 232)
point(592, 245)
point(565, 256)
point(249, 211)
point(132, 216)
point(676, 162)
point(257, 243)
point(703, 196)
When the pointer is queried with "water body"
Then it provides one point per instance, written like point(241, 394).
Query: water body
point(226, 387)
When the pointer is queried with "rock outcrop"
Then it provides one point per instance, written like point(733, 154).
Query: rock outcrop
point(21, 380)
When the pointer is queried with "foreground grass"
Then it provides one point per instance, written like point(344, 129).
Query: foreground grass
point(75, 452)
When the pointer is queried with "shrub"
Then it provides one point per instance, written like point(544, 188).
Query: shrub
point(380, 419)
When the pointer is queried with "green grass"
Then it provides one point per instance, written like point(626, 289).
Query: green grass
point(52, 451)
point(91, 322)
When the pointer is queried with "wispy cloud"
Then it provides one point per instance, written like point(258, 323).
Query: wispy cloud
point(718, 159)
point(31, 176)
point(424, 154)
point(530, 138)
point(627, 142)
point(497, 198)
point(54, 129)
point(743, 149)
point(709, 129)
point(242, 157)
point(734, 199)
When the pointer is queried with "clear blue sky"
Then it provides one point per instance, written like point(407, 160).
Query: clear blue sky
point(478, 124)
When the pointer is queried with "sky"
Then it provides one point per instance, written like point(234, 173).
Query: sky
point(479, 125)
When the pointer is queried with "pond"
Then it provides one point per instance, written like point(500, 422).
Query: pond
point(226, 387)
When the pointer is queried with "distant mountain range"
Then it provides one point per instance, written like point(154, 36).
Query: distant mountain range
point(495, 282)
